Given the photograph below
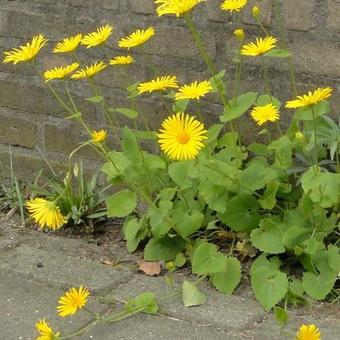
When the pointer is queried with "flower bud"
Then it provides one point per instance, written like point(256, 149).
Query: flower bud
point(256, 12)
point(170, 266)
point(239, 34)
point(299, 136)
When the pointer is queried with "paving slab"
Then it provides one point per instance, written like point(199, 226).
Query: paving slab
point(227, 312)
point(61, 271)
point(23, 302)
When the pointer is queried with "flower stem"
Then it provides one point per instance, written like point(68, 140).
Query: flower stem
point(211, 67)
point(315, 137)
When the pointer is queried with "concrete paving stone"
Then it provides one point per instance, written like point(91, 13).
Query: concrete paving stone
point(23, 302)
point(327, 322)
point(62, 271)
point(143, 327)
point(222, 311)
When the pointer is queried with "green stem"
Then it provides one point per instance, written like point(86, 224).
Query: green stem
point(211, 67)
point(315, 137)
point(265, 78)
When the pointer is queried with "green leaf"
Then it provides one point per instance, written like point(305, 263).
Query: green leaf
point(333, 258)
point(319, 286)
point(180, 260)
point(216, 81)
point(180, 173)
point(121, 203)
point(262, 262)
point(130, 147)
point(127, 112)
point(241, 213)
point(227, 280)
point(268, 238)
point(118, 165)
point(283, 149)
point(163, 249)
point(187, 222)
point(257, 175)
point(145, 303)
point(158, 219)
point(268, 200)
point(180, 105)
point(238, 107)
point(322, 187)
point(320, 109)
point(213, 132)
point(216, 196)
point(191, 295)
point(146, 135)
point(131, 231)
point(278, 53)
point(153, 162)
point(95, 99)
point(266, 99)
point(295, 236)
point(207, 259)
point(281, 315)
point(269, 286)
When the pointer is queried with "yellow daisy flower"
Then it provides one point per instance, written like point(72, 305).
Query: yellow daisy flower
point(60, 72)
point(233, 5)
point(265, 113)
point(177, 7)
point(99, 136)
point(89, 71)
point(260, 47)
point(239, 34)
point(68, 44)
point(27, 52)
point(136, 38)
point(72, 301)
point(45, 331)
point(158, 84)
point(122, 60)
point(98, 37)
point(308, 332)
point(311, 98)
point(46, 213)
point(181, 137)
point(194, 90)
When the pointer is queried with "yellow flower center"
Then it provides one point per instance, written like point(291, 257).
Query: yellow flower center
point(183, 137)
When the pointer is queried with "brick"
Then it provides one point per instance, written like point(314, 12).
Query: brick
point(266, 7)
point(178, 43)
point(17, 131)
point(64, 139)
point(104, 4)
point(298, 14)
point(334, 15)
point(25, 166)
point(142, 6)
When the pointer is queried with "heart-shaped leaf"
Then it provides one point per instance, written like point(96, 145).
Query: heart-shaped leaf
point(191, 295)
point(270, 286)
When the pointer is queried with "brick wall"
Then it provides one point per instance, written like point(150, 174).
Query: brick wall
point(30, 117)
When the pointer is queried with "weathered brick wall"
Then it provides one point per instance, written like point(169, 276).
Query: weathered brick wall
point(30, 117)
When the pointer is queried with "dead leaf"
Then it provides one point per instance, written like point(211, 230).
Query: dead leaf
point(110, 263)
point(149, 268)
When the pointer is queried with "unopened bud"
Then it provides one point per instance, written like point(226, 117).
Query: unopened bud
point(239, 34)
point(256, 12)
point(299, 136)
point(169, 266)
